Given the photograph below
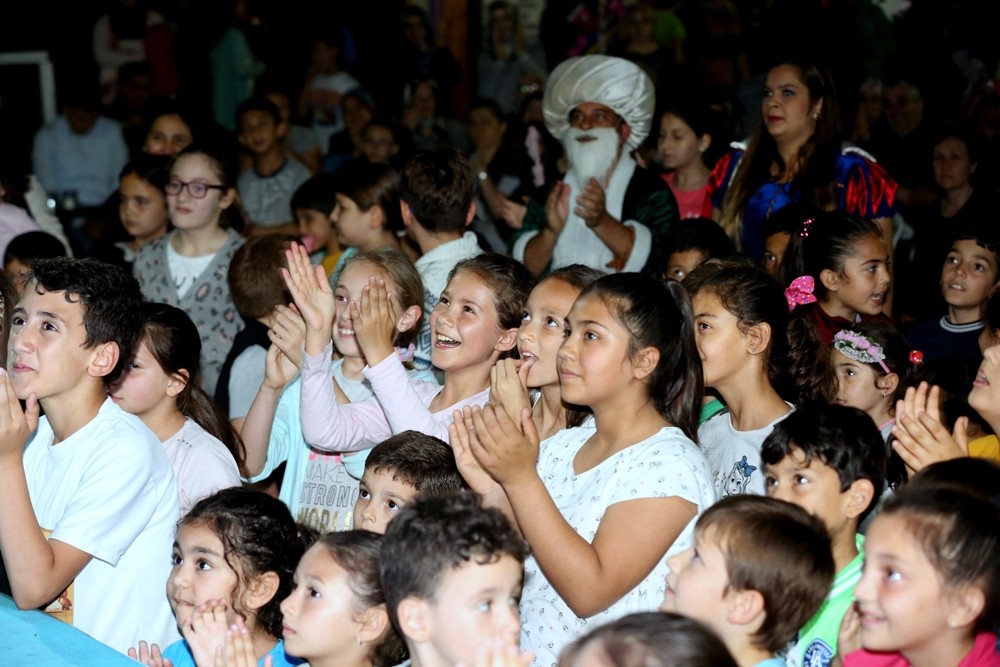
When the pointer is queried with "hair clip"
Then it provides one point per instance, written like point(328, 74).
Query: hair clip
point(804, 230)
point(916, 357)
point(800, 292)
point(861, 348)
point(406, 354)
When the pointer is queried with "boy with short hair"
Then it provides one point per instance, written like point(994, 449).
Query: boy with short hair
point(758, 570)
point(89, 499)
point(437, 191)
point(690, 243)
point(312, 205)
point(969, 276)
point(266, 189)
point(451, 571)
point(257, 287)
point(830, 460)
point(398, 470)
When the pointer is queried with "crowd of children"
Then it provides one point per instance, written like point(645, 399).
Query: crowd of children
point(371, 442)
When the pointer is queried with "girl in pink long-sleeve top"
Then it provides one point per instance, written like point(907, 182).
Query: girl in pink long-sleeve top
point(474, 324)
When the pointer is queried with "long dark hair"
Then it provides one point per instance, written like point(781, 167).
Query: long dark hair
point(816, 180)
point(657, 313)
point(174, 342)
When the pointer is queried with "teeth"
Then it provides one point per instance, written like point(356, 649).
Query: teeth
point(346, 332)
point(444, 339)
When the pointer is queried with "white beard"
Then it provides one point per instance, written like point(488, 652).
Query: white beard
point(592, 159)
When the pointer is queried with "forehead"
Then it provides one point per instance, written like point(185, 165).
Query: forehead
point(951, 144)
point(501, 571)
point(784, 75)
point(869, 248)
point(554, 292)
point(193, 164)
point(170, 124)
point(356, 274)
point(37, 298)
point(384, 479)
point(588, 108)
point(971, 248)
point(198, 536)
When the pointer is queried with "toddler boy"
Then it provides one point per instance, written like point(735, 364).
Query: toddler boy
point(968, 277)
point(266, 189)
point(451, 571)
point(758, 570)
point(399, 469)
point(89, 499)
point(312, 204)
point(830, 460)
point(436, 188)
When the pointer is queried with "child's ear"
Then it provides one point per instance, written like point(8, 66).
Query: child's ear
point(704, 141)
point(104, 359)
point(413, 614)
point(830, 279)
point(374, 622)
point(758, 337)
point(260, 590)
point(471, 214)
point(281, 129)
point(228, 197)
point(178, 381)
point(966, 606)
point(376, 217)
point(644, 362)
point(507, 340)
point(859, 496)
point(408, 318)
point(745, 607)
point(888, 384)
point(408, 218)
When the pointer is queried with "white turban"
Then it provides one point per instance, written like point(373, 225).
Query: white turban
point(614, 82)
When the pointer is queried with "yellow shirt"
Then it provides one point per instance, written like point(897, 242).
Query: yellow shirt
point(987, 447)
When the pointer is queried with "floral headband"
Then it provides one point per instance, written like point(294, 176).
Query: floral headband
point(860, 348)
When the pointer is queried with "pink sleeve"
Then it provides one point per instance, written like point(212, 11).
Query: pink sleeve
point(332, 427)
point(408, 401)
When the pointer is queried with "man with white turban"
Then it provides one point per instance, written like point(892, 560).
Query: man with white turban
point(607, 212)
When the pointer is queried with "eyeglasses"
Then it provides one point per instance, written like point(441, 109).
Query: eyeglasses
point(195, 189)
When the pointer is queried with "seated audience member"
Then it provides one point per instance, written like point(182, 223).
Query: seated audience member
point(24, 250)
point(257, 288)
point(266, 188)
point(690, 243)
point(831, 461)
point(397, 471)
point(451, 570)
point(759, 569)
point(90, 502)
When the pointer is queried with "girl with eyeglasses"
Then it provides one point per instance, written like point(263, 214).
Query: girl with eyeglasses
point(187, 268)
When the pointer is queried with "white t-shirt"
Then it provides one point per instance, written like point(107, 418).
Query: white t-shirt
point(665, 465)
point(734, 456)
point(108, 490)
point(201, 463)
point(184, 271)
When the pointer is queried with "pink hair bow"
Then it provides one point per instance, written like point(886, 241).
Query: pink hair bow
point(800, 292)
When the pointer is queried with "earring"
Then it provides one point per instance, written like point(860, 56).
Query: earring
point(816, 116)
point(883, 393)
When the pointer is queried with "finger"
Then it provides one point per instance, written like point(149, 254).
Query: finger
point(961, 433)
point(523, 370)
point(933, 406)
point(528, 427)
point(131, 652)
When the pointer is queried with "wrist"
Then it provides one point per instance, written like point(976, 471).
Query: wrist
point(316, 341)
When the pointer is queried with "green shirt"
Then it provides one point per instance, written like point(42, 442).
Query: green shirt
point(817, 642)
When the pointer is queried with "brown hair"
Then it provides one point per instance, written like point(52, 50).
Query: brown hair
point(255, 275)
point(407, 287)
point(779, 550)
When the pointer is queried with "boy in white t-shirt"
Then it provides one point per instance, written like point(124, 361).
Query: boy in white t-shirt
point(89, 500)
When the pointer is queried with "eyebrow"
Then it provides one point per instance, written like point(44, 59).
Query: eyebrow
point(583, 323)
point(706, 315)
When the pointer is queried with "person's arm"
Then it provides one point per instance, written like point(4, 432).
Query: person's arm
point(256, 428)
point(538, 251)
point(632, 537)
point(409, 411)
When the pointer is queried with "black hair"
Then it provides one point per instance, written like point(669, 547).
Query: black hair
point(257, 103)
point(490, 105)
point(657, 313)
point(258, 536)
point(969, 474)
point(652, 639)
point(435, 535)
point(370, 184)
point(109, 298)
point(984, 235)
point(698, 234)
point(840, 437)
point(422, 461)
point(175, 344)
point(31, 246)
point(224, 162)
point(438, 186)
point(152, 169)
point(317, 193)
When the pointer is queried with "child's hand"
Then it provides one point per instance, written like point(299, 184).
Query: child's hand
point(149, 655)
point(238, 650)
point(505, 450)
point(278, 369)
point(205, 631)
point(16, 425)
point(288, 331)
point(510, 211)
point(921, 438)
point(501, 653)
point(849, 637)
point(509, 386)
point(474, 475)
point(374, 321)
point(313, 296)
